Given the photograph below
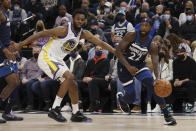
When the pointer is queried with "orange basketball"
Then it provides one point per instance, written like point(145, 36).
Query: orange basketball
point(162, 88)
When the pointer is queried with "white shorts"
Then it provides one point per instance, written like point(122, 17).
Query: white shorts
point(52, 67)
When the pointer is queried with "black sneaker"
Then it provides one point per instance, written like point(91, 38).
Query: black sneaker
point(79, 117)
point(123, 106)
point(169, 120)
point(2, 121)
point(56, 114)
point(11, 117)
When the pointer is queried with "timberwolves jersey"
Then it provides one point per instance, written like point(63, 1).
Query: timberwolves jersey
point(135, 54)
point(4, 35)
point(120, 30)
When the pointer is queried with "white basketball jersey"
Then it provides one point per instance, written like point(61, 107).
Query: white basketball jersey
point(60, 47)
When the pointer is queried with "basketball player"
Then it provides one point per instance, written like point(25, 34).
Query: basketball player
point(8, 68)
point(136, 46)
point(63, 40)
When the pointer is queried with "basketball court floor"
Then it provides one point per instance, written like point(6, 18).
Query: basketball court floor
point(102, 122)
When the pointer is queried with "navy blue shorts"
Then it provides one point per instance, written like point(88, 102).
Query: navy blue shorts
point(8, 69)
point(127, 79)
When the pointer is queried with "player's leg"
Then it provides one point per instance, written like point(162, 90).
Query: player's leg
point(51, 69)
point(12, 82)
point(77, 116)
point(146, 78)
point(55, 112)
point(129, 90)
point(61, 72)
point(2, 84)
point(8, 115)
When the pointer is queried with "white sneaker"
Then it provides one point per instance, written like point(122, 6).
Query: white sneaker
point(149, 108)
point(157, 109)
point(66, 109)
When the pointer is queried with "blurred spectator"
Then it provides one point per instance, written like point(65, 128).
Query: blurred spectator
point(18, 14)
point(41, 41)
point(188, 6)
point(16, 17)
point(91, 53)
point(76, 65)
point(168, 25)
point(85, 7)
point(134, 11)
point(159, 41)
point(96, 70)
point(123, 6)
point(156, 3)
point(193, 48)
point(121, 26)
point(145, 6)
point(143, 14)
point(187, 30)
point(108, 17)
point(95, 29)
point(30, 74)
point(157, 17)
point(165, 63)
point(184, 75)
point(35, 8)
point(100, 8)
point(176, 7)
point(175, 42)
point(62, 13)
point(20, 61)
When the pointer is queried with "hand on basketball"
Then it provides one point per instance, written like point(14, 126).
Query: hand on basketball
point(133, 70)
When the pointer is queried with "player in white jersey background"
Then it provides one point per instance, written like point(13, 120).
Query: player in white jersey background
point(63, 40)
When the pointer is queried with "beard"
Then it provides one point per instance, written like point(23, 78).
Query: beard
point(76, 27)
point(144, 34)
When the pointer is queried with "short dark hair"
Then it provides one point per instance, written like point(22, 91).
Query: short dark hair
point(79, 11)
point(167, 9)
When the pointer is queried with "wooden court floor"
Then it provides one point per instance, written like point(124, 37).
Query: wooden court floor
point(102, 122)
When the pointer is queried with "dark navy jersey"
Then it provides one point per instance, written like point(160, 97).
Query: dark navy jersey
point(136, 53)
point(5, 35)
point(120, 30)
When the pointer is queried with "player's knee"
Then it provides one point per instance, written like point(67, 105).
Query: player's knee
point(17, 83)
point(68, 75)
point(148, 82)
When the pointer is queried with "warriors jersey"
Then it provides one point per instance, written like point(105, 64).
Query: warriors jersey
point(51, 57)
point(61, 46)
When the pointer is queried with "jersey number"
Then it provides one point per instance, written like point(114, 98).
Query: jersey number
point(135, 57)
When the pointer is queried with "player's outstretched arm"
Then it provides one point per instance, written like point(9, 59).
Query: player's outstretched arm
point(56, 32)
point(155, 59)
point(89, 36)
point(128, 38)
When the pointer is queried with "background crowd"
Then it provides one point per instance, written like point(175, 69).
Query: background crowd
point(95, 69)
